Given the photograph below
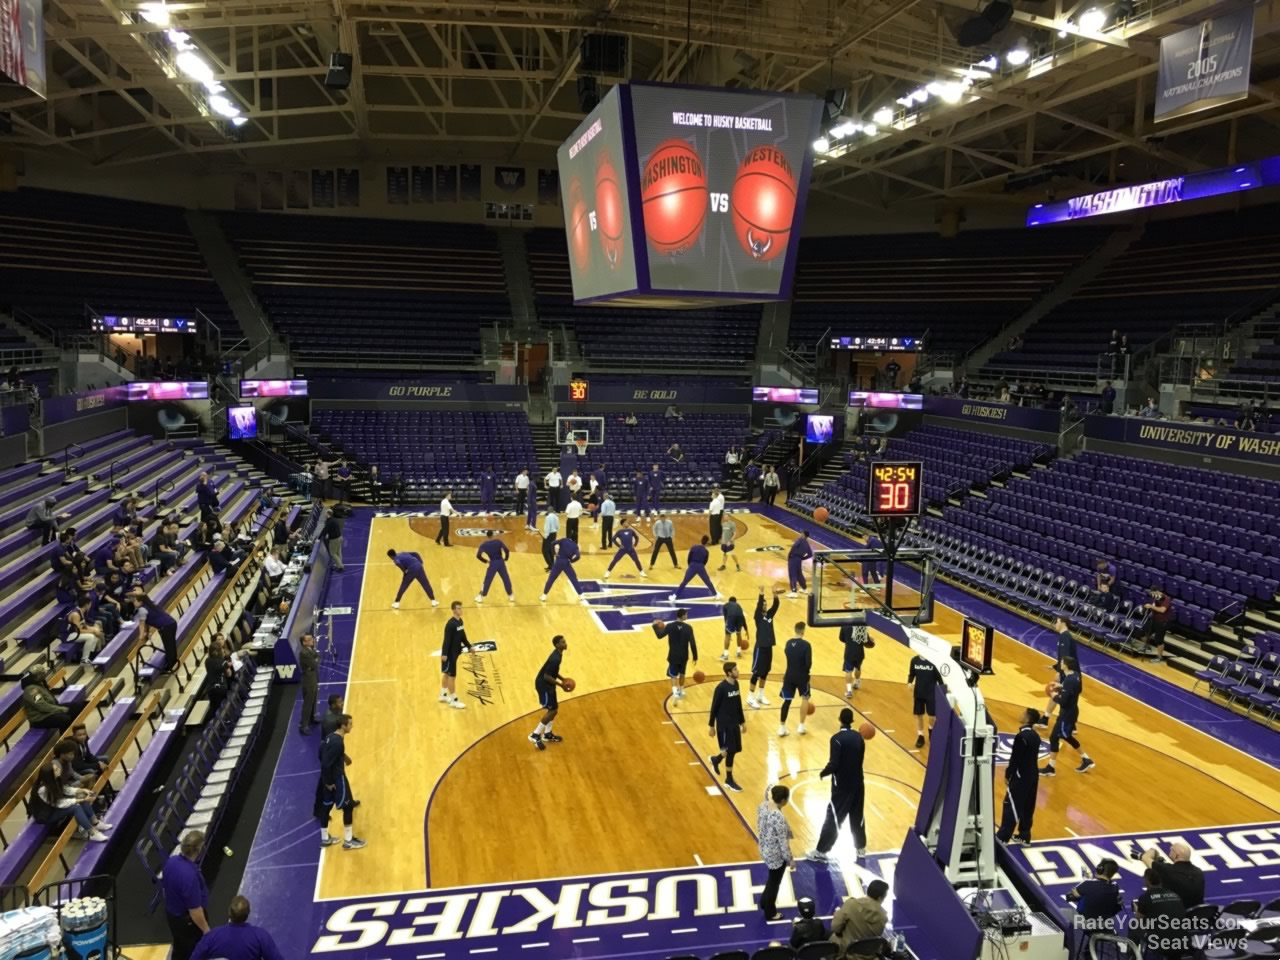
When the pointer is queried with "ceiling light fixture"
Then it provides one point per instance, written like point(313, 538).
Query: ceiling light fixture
point(990, 63)
point(1093, 20)
point(1018, 56)
point(156, 13)
point(870, 130)
point(952, 92)
point(883, 116)
point(822, 145)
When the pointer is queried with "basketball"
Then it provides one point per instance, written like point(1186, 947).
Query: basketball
point(820, 515)
point(763, 203)
point(609, 213)
point(810, 709)
point(592, 507)
point(659, 624)
point(579, 226)
point(867, 730)
point(1051, 689)
point(744, 643)
point(569, 684)
point(698, 676)
point(674, 192)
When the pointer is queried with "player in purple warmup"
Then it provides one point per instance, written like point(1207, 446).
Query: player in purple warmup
point(566, 555)
point(696, 566)
point(655, 488)
point(494, 554)
point(625, 540)
point(488, 491)
point(799, 553)
point(411, 569)
point(641, 488)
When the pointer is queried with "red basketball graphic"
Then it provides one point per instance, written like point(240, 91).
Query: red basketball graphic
point(579, 226)
point(609, 214)
point(763, 203)
point(674, 192)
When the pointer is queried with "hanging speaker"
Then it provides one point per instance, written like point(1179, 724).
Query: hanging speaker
point(980, 29)
point(338, 76)
point(588, 93)
point(604, 53)
point(833, 104)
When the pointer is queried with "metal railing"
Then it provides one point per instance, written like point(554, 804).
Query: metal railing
point(111, 472)
point(72, 451)
point(162, 486)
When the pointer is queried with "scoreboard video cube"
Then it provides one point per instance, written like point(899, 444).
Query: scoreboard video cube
point(687, 196)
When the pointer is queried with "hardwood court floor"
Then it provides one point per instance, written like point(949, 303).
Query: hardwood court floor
point(630, 788)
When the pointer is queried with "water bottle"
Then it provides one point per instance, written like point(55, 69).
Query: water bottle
point(899, 944)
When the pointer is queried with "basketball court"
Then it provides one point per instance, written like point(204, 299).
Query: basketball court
point(460, 799)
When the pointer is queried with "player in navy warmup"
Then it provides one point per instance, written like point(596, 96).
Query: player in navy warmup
point(488, 491)
point(848, 790)
point(696, 566)
point(800, 552)
point(796, 678)
point(728, 724)
point(531, 519)
point(455, 639)
point(566, 555)
point(924, 675)
point(1068, 700)
point(494, 554)
point(680, 644)
point(625, 539)
point(334, 789)
point(548, 683)
point(1066, 647)
point(1022, 780)
point(411, 569)
point(856, 642)
point(762, 656)
point(735, 625)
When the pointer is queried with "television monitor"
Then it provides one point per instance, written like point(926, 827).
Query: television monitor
point(242, 422)
point(273, 388)
point(169, 390)
point(819, 428)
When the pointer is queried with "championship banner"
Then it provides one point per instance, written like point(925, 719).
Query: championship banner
point(446, 184)
point(548, 186)
point(422, 184)
point(348, 187)
point(469, 182)
point(322, 188)
point(22, 43)
point(992, 411)
point(272, 186)
point(1206, 65)
point(298, 190)
point(246, 190)
point(1199, 438)
point(397, 185)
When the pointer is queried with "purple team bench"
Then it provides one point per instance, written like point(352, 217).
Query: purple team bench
point(32, 630)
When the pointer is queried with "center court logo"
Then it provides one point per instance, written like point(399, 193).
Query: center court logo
point(622, 609)
point(1004, 748)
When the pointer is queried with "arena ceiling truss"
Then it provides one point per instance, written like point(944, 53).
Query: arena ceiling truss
point(498, 81)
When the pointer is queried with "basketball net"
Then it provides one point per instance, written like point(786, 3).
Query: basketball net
point(581, 445)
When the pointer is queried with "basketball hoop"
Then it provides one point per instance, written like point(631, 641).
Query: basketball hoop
point(581, 444)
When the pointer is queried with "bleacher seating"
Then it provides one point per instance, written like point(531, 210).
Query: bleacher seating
point(1186, 271)
point(1262, 367)
point(365, 289)
point(704, 439)
point(60, 251)
point(960, 290)
point(722, 338)
point(1207, 538)
point(956, 461)
point(433, 450)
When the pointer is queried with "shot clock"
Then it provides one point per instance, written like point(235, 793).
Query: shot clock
point(895, 489)
point(578, 391)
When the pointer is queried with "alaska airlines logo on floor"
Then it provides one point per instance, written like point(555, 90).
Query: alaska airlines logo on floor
point(611, 603)
point(1004, 748)
point(483, 686)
